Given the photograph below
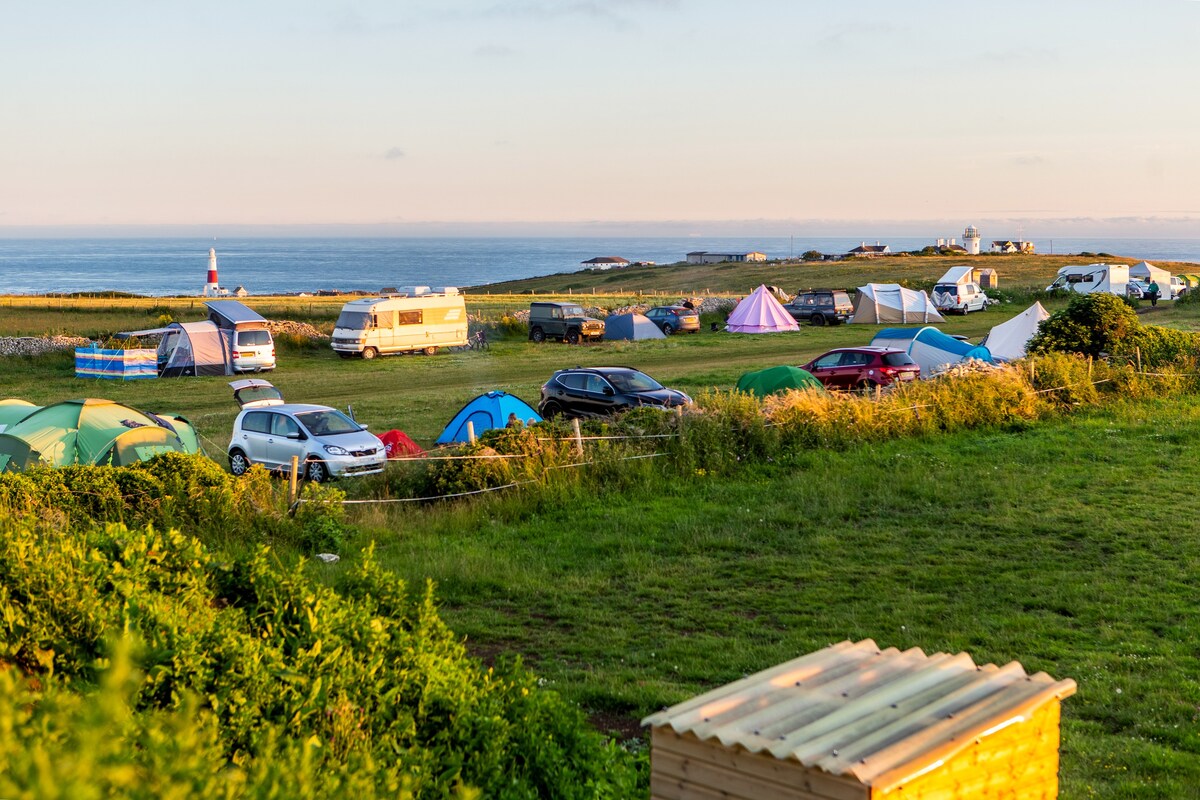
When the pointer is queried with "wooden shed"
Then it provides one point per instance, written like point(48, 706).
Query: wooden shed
point(853, 721)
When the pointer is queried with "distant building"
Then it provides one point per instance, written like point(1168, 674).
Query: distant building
point(948, 247)
point(1005, 246)
point(865, 249)
point(605, 262)
point(705, 257)
point(240, 292)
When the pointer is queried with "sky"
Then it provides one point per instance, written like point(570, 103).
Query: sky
point(615, 116)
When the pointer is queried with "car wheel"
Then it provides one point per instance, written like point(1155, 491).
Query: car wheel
point(238, 463)
point(368, 353)
point(316, 471)
point(551, 410)
point(667, 329)
point(430, 351)
point(572, 337)
point(966, 309)
point(867, 387)
point(817, 320)
point(537, 334)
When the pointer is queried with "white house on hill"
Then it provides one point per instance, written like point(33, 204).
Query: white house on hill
point(605, 262)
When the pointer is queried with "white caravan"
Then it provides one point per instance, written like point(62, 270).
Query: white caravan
point(414, 319)
point(1093, 278)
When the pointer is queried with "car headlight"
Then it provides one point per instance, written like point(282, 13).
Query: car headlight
point(334, 450)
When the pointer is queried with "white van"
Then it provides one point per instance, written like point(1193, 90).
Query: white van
point(1102, 278)
point(414, 319)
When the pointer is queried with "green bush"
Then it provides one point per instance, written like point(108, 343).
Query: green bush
point(1091, 324)
point(262, 675)
point(190, 492)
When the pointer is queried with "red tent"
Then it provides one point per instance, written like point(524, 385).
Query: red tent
point(398, 445)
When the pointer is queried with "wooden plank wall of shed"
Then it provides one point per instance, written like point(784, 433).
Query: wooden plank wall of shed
point(1017, 763)
point(686, 768)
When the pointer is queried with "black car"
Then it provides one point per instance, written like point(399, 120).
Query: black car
point(596, 391)
point(821, 307)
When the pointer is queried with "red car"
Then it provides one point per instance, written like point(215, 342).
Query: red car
point(863, 367)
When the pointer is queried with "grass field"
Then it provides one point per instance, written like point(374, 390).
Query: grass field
point(1067, 545)
point(1015, 271)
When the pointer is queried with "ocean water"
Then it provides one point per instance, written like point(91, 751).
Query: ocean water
point(178, 266)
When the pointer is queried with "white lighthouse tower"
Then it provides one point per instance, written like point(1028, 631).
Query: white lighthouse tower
point(971, 240)
point(211, 288)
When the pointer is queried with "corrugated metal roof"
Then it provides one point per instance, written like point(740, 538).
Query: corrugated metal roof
point(852, 709)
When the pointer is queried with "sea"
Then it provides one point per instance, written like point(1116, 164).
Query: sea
point(178, 266)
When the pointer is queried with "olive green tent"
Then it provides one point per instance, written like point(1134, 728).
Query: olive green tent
point(774, 380)
point(13, 411)
point(87, 432)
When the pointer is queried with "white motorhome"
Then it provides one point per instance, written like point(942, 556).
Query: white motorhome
point(1092, 278)
point(416, 318)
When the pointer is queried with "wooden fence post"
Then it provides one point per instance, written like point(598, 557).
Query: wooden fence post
point(578, 435)
point(294, 480)
point(1138, 352)
point(470, 431)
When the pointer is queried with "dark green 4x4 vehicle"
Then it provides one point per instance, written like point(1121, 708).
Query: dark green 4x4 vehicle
point(563, 321)
point(821, 307)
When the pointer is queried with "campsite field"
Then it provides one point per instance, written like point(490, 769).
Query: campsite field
point(1067, 545)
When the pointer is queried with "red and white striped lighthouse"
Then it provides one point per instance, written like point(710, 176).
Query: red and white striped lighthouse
point(211, 288)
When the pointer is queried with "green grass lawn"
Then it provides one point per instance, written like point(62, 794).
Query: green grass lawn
point(1069, 546)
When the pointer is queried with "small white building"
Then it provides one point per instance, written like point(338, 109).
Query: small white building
point(605, 262)
point(876, 249)
point(971, 240)
point(705, 257)
point(1008, 246)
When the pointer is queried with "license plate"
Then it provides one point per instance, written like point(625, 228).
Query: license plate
point(907, 376)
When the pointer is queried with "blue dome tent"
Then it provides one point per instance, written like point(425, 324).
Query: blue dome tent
point(486, 412)
point(931, 348)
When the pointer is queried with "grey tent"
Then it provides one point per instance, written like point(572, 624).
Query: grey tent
point(193, 348)
point(631, 326)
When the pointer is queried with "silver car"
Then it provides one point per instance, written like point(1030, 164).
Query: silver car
point(327, 443)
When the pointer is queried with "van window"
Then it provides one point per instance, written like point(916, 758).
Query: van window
point(257, 421)
point(354, 320)
point(408, 317)
point(946, 288)
point(573, 311)
point(253, 338)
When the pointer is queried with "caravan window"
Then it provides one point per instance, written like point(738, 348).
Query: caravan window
point(408, 317)
point(354, 320)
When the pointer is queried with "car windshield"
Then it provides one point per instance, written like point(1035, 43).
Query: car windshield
point(354, 320)
point(897, 360)
point(572, 311)
point(633, 381)
point(327, 423)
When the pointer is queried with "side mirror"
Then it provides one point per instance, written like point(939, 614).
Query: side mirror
point(297, 435)
point(364, 427)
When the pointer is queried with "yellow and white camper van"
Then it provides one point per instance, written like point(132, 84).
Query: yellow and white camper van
point(416, 318)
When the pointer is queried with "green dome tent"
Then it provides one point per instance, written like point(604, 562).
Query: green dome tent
point(88, 432)
point(774, 380)
point(13, 411)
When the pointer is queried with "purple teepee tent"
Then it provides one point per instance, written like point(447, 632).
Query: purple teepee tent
point(760, 312)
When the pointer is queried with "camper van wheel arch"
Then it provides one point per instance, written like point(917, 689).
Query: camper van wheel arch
point(369, 352)
point(817, 320)
point(431, 351)
point(537, 334)
point(238, 463)
point(572, 336)
point(316, 471)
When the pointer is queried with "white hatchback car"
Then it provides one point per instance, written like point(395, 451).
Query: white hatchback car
point(327, 443)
